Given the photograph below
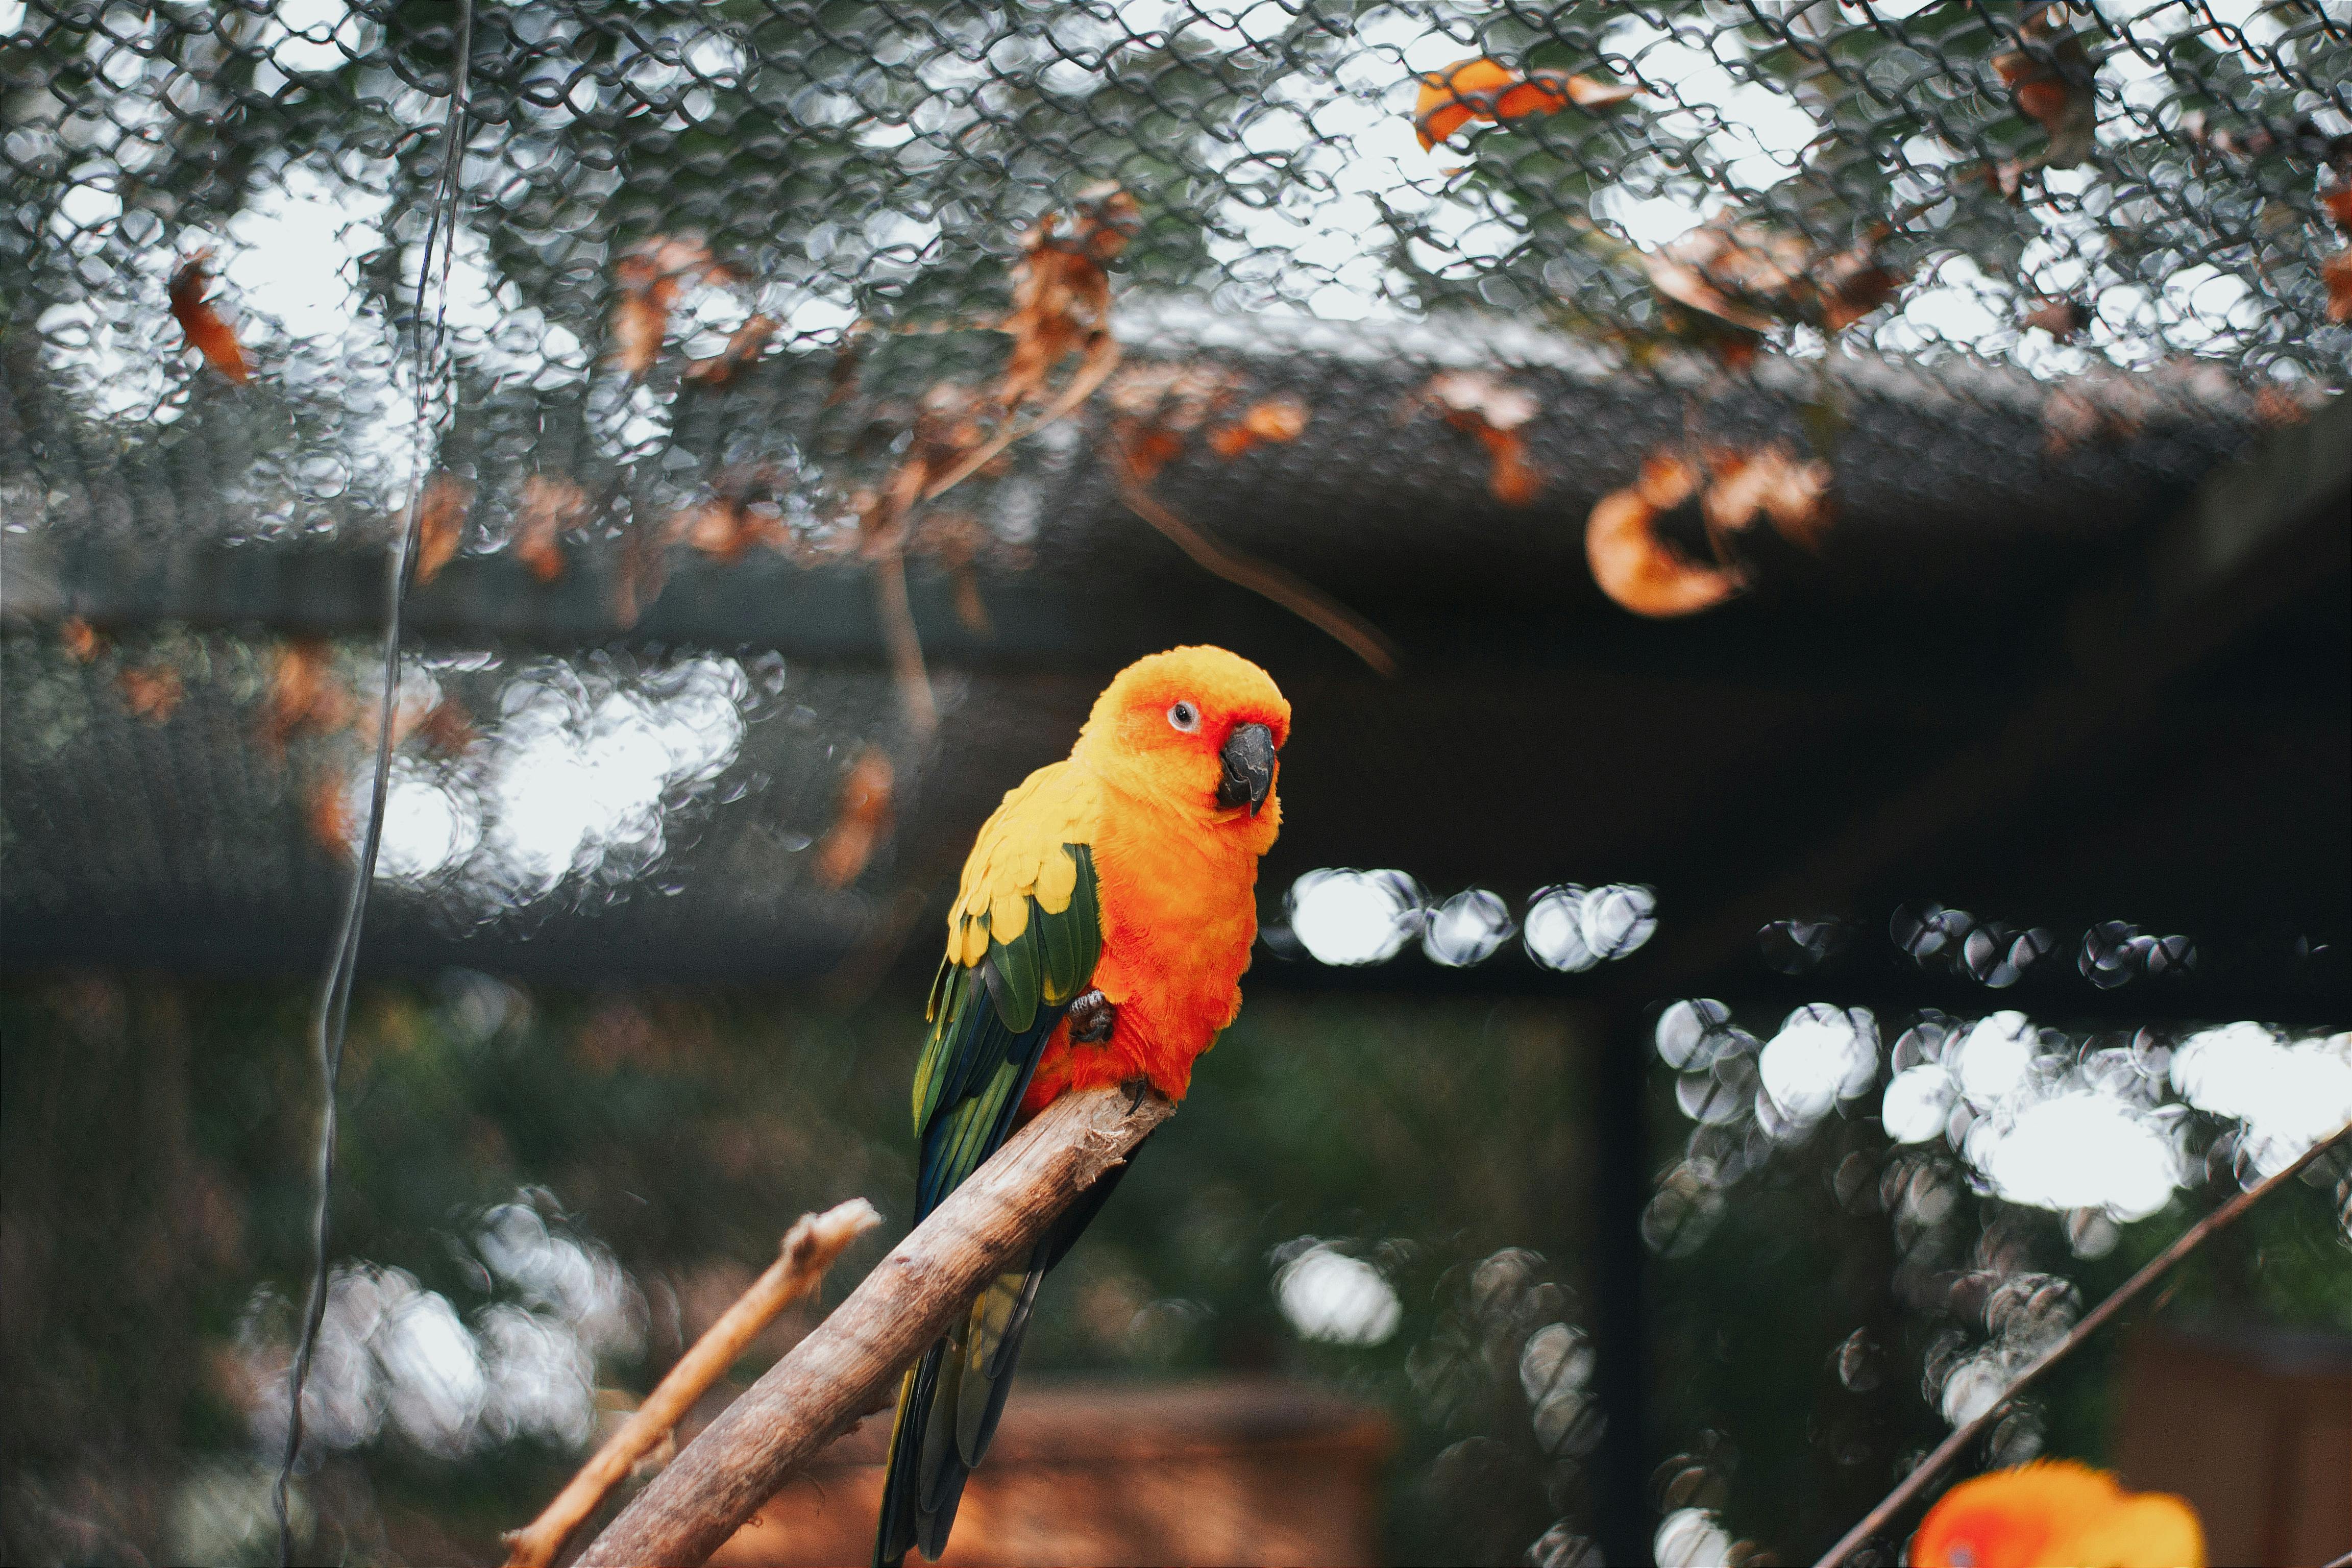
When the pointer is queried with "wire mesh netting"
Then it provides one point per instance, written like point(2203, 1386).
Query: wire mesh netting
point(746, 300)
point(821, 399)
point(719, 256)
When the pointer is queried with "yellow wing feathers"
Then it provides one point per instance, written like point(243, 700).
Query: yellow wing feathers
point(1019, 856)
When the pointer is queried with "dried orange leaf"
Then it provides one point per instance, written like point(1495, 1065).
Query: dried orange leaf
point(2337, 200)
point(646, 279)
point(303, 695)
point(1482, 397)
point(1768, 481)
point(1728, 283)
point(1061, 295)
point(859, 820)
point(2061, 319)
point(326, 812)
point(1850, 284)
point(79, 638)
point(2277, 405)
point(446, 729)
point(970, 610)
point(1634, 566)
point(440, 524)
point(2048, 74)
point(1485, 89)
point(153, 692)
point(742, 511)
point(202, 321)
point(1492, 410)
point(2112, 411)
point(2337, 273)
point(1511, 477)
point(548, 505)
point(1149, 451)
point(1583, 92)
point(743, 347)
point(1275, 420)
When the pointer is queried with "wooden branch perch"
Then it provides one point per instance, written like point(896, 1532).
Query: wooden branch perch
point(845, 1367)
point(809, 1249)
point(1954, 1446)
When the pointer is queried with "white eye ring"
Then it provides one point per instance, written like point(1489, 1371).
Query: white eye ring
point(1185, 717)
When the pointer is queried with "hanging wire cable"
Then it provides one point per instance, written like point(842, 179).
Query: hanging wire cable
point(426, 350)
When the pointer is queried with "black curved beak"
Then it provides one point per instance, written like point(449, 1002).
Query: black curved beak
point(1248, 759)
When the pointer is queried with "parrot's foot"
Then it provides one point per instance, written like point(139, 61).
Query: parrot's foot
point(1092, 1016)
point(1137, 1088)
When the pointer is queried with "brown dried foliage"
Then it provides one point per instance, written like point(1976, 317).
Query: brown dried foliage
point(1768, 481)
point(646, 281)
point(304, 695)
point(2337, 273)
point(440, 524)
point(550, 504)
point(326, 812)
point(1061, 294)
point(742, 511)
point(743, 347)
point(1733, 489)
point(1484, 88)
point(1157, 406)
point(202, 321)
point(78, 638)
point(1726, 283)
point(1638, 569)
point(859, 821)
point(2048, 74)
point(2061, 319)
point(2114, 410)
point(1494, 411)
point(153, 692)
point(1270, 421)
point(446, 729)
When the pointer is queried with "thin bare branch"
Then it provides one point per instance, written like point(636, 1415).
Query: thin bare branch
point(2195, 1237)
point(809, 1249)
point(1093, 371)
point(1302, 599)
point(905, 646)
point(846, 1365)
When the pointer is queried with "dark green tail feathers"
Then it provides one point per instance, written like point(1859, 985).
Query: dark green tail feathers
point(951, 1402)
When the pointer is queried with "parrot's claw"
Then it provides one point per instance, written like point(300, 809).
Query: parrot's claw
point(1137, 1088)
point(1092, 1018)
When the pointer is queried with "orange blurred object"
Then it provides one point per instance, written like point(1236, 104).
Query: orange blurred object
point(1485, 89)
point(2056, 1514)
point(1270, 420)
point(1634, 566)
point(440, 524)
point(206, 328)
point(863, 817)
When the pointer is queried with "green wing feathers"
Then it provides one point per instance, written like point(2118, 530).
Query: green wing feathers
point(1023, 943)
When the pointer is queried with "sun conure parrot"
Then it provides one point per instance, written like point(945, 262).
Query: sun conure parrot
point(2057, 1514)
point(1098, 938)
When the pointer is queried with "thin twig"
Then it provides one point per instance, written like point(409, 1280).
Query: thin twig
point(809, 1249)
point(1093, 371)
point(332, 1015)
point(1302, 599)
point(2196, 1235)
point(848, 1363)
point(906, 645)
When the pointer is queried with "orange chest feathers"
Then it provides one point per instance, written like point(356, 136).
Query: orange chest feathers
point(1178, 916)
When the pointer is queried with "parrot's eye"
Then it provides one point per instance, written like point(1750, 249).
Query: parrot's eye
point(1185, 717)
